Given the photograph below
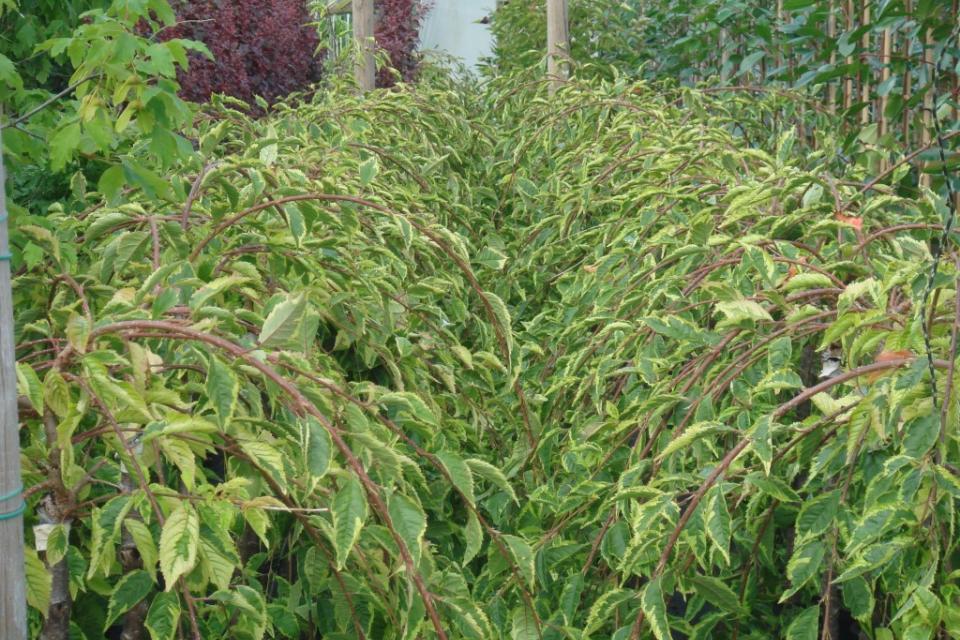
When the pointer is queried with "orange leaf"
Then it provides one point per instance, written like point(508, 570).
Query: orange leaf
point(854, 221)
point(888, 356)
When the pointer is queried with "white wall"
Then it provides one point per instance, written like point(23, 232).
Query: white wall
point(452, 27)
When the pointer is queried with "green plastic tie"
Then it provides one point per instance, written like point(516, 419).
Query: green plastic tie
point(13, 514)
point(12, 494)
point(16, 512)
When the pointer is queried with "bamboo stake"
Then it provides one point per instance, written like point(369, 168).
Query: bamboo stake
point(907, 76)
point(848, 79)
point(865, 76)
point(363, 34)
point(724, 54)
point(779, 56)
point(13, 611)
point(885, 72)
point(926, 135)
point(832, 35)
point(558, 41)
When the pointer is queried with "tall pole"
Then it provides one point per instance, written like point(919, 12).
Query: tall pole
point(363, 28)
point(832, 35)
point(865, 76)
point(13, 607)
point(558, 43)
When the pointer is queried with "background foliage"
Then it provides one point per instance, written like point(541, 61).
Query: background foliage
point(264, 49)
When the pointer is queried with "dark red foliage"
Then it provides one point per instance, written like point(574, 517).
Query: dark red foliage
point(260, 47)
point(398, 33)
point(266, 47)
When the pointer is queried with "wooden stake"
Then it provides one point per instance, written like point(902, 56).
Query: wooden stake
point(558, 43)
point(13, 608)
point(363, 34)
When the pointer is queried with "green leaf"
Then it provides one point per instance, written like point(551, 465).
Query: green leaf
point(319, 449)
point(502, 315)
point(692, 434)
point(603, 609)
point(858, 598)
point(491, 259)
point(410, 403)
point(349, 514)
point(527, 187)
point(808, 280)
point(737, 312)
point(63, 144)
point(473, 533)
point(460, 474)
point(29, 385)
point(719, 527)
point(178, 543)
point(110, 185)
point(222, 389)
point(817, 514)
point(131, 589)
point(146, 546)
point(267, 458)
point(655, 609)
point(56, 393)
point(774, 487)
point(38, 582)
point(750, 61)
point(8, 70)
point(268, 154)
point(805, 626)
point(58, 543)
point(78, 332)
point(523, 626)
point(368, 170)
point(282, 326)
point(523, 556)
point(804, 564)
point(207, 292)
point(410, 523)
point(716, 592)
point(493, 475)
point(921, 434)
point(163, 618)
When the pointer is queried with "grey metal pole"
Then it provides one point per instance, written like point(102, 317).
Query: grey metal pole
point(13, 607)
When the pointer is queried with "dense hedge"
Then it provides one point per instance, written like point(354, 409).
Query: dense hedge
point(532, 369)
